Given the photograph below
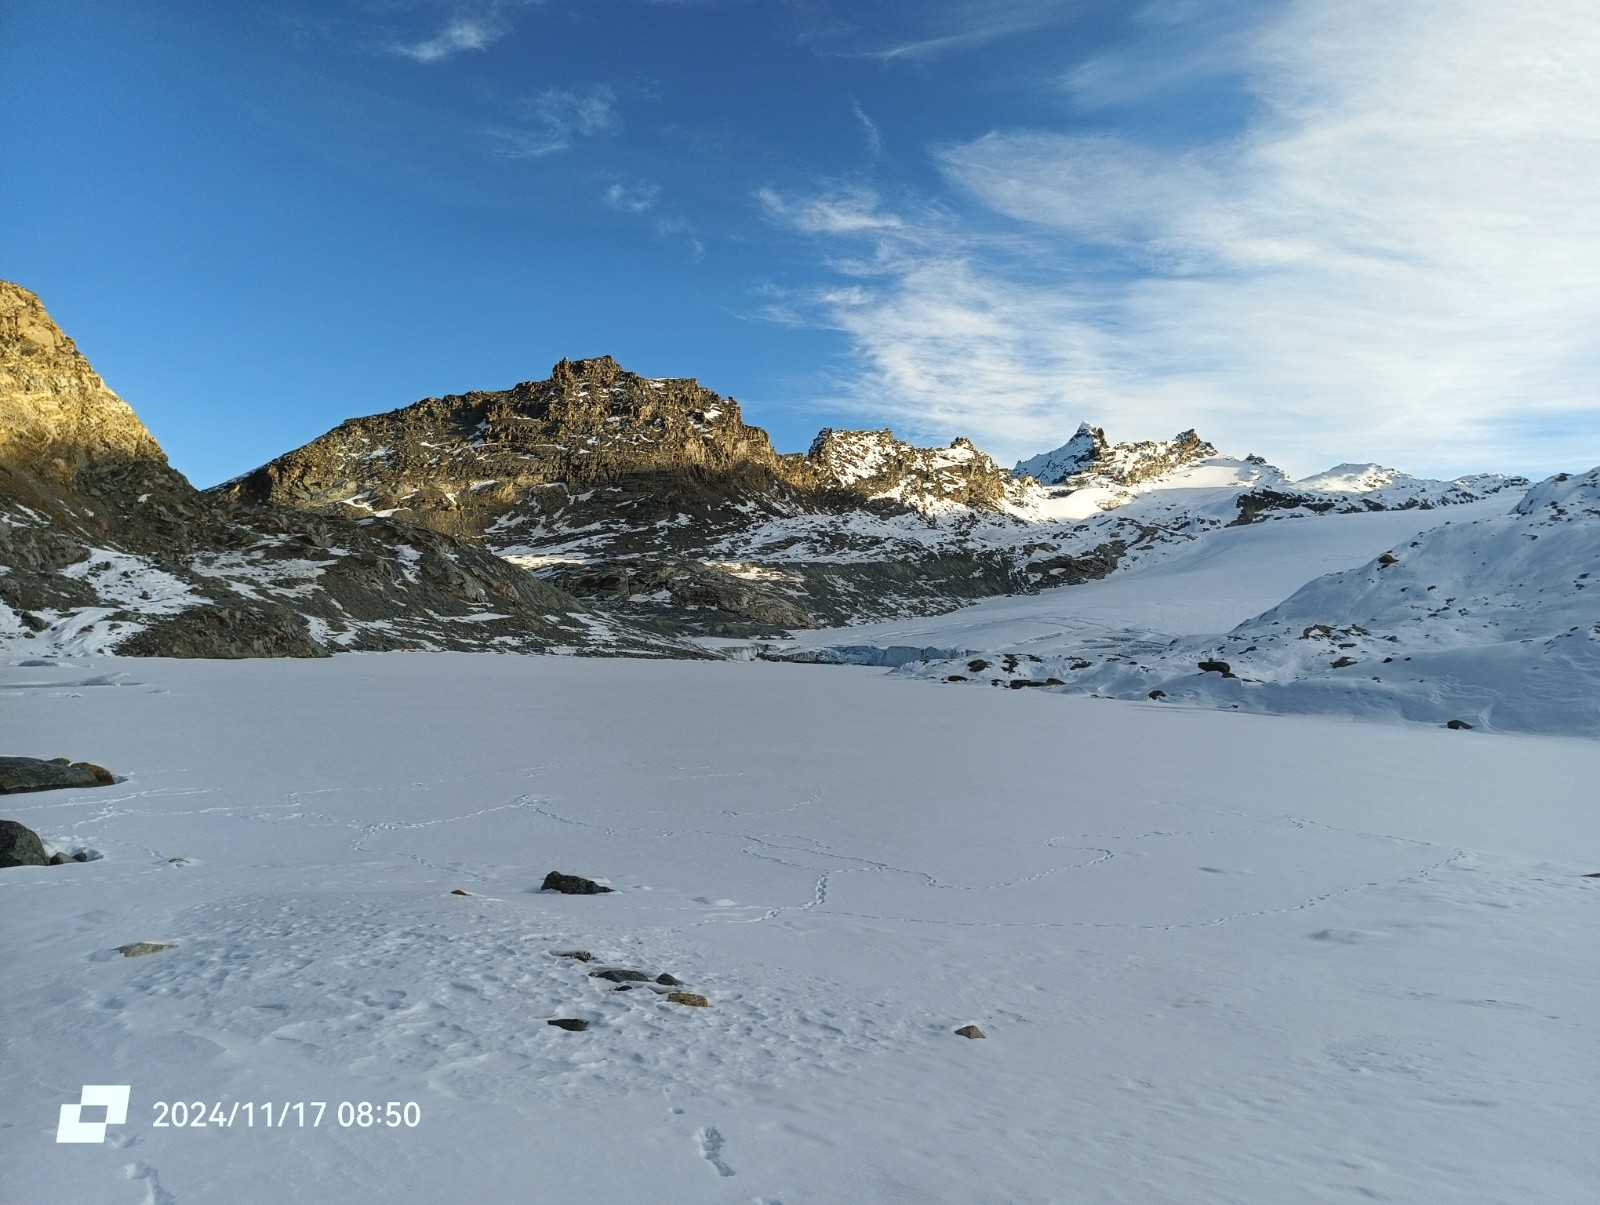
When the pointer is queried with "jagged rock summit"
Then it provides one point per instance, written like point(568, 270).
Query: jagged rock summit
point(1089, 459)
point(105, 548)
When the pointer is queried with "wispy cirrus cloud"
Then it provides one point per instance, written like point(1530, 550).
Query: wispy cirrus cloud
point(847, 211)
point(459, 34)
point(556, 118)
point(1398, 256)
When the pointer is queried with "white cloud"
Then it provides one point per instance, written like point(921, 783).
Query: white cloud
point(461, 33)
point(556, 118)
point(1399, 257)
point(848, 211)
point(630, 198)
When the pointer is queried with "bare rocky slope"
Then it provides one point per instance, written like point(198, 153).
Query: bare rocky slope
point(105, 548)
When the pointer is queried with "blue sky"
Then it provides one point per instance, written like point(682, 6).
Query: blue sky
point(1320, 232)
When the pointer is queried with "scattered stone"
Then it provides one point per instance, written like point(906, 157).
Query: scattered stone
point(956, 678)
point(977, 666)
point(178, 861)
point(623, 987)
point(140, 948)
point(970, 1031)
point(573, 1024)
point(19, 774)
point(668, 981)
point(20, 846)
point(1216, 667)
point(580, 955)
point(458, 891)
point(690, 998)
point(1054, 682)
point(1388, 559)
point(620, 975)
point(571, 884)
point(1344, 661)
point(1157, 694)
point(1459, 725)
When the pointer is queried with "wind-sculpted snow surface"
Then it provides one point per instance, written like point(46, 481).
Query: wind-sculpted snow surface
point(1217, 957)
point(1494, 622)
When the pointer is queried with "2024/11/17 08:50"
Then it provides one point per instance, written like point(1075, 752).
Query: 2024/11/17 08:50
point(300, 1114)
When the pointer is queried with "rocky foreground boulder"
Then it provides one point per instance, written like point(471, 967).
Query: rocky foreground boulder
point(21, 846)
point(21, 774)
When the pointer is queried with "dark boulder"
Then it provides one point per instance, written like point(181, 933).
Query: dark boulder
point(19, 774)
point(20, 845)
point(1459, 725)
point(571, 884)
point(574, 1024)
point(620, 975)
point(970, 1031)
point(669, 981)
point(1216, 667)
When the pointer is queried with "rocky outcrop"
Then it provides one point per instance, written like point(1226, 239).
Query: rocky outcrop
point(875, 466)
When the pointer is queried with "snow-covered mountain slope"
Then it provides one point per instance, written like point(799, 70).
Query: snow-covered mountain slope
point(1492, 622)
point(1217, 957)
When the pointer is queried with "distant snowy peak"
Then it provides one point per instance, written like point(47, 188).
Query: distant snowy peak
point(1389, 484)
point(882, 468)
point(1087, 459)
point(1071, 458)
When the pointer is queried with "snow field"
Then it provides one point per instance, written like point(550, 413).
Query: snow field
point(1219, 957)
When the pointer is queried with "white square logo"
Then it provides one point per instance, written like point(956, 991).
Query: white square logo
point(113, 1098)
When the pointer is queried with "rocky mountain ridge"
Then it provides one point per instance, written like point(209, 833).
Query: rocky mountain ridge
point(105, 548)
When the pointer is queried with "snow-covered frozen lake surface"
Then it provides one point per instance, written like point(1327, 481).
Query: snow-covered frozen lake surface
point(1219, 957)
